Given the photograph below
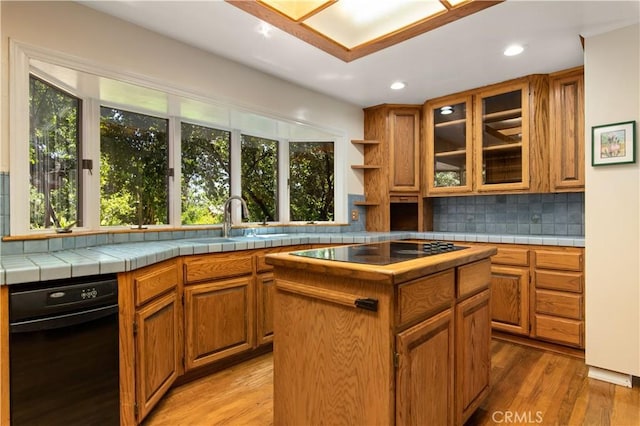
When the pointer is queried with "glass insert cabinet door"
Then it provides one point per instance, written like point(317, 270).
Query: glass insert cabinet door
point(502, 133)
point(449, 145)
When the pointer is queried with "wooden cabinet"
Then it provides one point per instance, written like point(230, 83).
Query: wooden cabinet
point(492, 139)
point(265, 291)
point(473, 353)
point(404, 149)
point(218, 307)
point(158, 352)
point(510, 290)
point(391, 167)
point(426, 372)
point(567, 130)
point(449, 149)
point(559, 296)
point(420, 356)
point(150, 337)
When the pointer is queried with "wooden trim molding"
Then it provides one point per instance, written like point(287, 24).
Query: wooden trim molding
point(299, 29)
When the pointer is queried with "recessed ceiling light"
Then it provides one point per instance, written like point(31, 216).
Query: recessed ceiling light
point(398, 85)
point(513, 50)
point(445, 110)
point(265, 29)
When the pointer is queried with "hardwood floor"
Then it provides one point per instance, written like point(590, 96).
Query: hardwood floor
point(528, 386)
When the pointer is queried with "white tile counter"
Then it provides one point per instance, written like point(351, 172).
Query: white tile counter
point(113, 258)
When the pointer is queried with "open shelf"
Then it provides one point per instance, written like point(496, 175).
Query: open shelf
point(364, 166)
point(364, 142)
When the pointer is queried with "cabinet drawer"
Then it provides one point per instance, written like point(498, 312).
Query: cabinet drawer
point(155, 280)
point(564, 260)
point(563, 281)
point(473, 277)
point(560, 330)
point(568, 305)
point(425, 296)
point(511, 256)
point(200, 268)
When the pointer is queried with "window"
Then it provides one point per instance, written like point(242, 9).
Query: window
point(133, 168)
point(205, 173)
point(311, 181)
point(259, 173)
point(134, 133)
point(54, 146)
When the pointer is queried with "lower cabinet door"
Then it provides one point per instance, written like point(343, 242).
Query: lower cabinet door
point(424, 380)
point(473, 354)
point(510, 299)
point(157, 347)
point(265, 295)
point(218, 319)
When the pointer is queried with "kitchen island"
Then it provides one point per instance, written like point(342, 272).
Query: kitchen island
point(381, 334)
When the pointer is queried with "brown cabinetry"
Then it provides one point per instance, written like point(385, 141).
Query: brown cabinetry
point(422, 356)
point(490, 139)
point(218, 307)
point(473, 353)
point(150, 337)
point(426, 372)
point(391, 167)
point(510, 290)
point(559, 296)
point(567, 130)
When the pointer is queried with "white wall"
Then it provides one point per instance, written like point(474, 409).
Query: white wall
point(612, 207)
point(79, 31)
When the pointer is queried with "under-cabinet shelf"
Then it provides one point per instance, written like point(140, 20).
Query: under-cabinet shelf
point(364, 166)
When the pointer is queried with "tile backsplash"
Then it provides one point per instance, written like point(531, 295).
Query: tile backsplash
point(524, 214)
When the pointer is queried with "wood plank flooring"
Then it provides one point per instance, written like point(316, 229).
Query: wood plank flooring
point(529, 386)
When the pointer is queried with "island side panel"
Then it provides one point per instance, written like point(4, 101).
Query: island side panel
point(332, 362)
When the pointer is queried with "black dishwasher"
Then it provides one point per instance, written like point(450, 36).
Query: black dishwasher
point(63, 346)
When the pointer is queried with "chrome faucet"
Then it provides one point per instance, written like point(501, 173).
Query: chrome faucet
point(226, 226)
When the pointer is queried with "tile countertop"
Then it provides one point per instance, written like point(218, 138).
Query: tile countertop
point(113, 258)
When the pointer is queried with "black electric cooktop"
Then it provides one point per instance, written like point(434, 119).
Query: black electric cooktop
point(384, 253)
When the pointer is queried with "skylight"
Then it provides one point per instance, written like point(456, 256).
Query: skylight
point(350, 29)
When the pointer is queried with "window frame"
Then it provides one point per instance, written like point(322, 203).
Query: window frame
point(20, 68)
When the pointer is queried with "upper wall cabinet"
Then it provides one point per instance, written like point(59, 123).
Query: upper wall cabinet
point(391, 170)
point(404, 149)
point(450, 153)
point(567, 130)
point(493, 139)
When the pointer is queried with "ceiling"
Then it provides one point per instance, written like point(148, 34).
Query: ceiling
point(458, 56)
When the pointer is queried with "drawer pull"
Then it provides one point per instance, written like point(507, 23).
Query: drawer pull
point(368, 304)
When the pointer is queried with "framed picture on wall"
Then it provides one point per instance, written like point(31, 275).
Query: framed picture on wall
point(613, 143)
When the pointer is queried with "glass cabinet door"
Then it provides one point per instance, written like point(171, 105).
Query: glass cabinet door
point(448, 145)
point(502, 138)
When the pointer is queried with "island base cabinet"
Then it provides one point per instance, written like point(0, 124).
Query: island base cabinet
point(328, 364)
point(425, 368)
point(473, 354)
